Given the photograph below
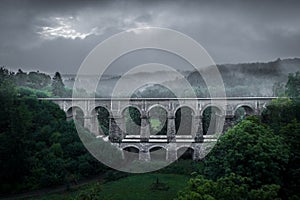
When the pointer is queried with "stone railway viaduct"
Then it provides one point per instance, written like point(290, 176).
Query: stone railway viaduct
point(171, 143)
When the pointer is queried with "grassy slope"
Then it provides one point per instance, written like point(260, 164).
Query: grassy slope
point(133, 187)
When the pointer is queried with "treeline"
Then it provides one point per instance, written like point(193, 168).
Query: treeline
point(259, 158)
point(250, 79)
point(37, 83)
point(39, 148)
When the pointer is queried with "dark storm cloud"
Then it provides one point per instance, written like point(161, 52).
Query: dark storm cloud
point(57, 35)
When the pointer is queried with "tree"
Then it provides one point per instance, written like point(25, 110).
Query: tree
point(250, 150)
point(231, 187)
point(38, 80)
point(291, 134)
point(58, 87)
point(279, 89)
point(38, 146)
point(281, 112)
point(293, 85)
point(21, 78)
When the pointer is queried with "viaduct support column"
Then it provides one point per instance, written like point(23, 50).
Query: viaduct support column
point(144, 155)
point(116, 127)
point(220, 126)
point(197, 128)
point(171, 128)
point(171, 152)
point(93, 123)
point(145, 127)
point(88, 123)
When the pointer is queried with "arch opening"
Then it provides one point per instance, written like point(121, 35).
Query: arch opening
point(132, 118)
point(185, 153)
point(77, 114)
point(210, 119)
point(242, 112)
point(158, 121)
point(131, 153)
point(158, 154)
point(101, 120)
point(183, 121)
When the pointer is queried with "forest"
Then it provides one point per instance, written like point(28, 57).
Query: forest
point(258, 158)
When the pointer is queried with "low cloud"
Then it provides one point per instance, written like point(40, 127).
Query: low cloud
point(56, 36)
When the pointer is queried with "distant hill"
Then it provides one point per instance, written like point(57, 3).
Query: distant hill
point(251, 79)
point(244, 79)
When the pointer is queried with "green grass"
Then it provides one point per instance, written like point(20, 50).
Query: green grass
point(139, 187)
point(135, 187)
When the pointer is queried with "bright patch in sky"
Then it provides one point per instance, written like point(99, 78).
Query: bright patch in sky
point(63, 29)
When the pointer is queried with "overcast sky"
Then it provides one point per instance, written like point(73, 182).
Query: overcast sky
point(57, 35)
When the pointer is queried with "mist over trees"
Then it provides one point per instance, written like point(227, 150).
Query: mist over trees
point(250, 79)
point(245, 79)
point(293, 85)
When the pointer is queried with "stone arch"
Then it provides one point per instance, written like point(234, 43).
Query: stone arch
point(100, 120)
point(69, 110)
point(132, 119)
point(185, 105)
point(157, 105)
point(241, 111)
point(210, 114)
point(131, 153)
point(248, 108)
point(77, 113)
point(184, 146)
point(158, 153)
point(185, 152)
point(184, 120)
point(158, 120)
point(98, 106)
point(131, 145)
point(123, 109)
point(219, 109)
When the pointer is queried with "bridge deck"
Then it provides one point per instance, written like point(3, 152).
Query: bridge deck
point(155, 99)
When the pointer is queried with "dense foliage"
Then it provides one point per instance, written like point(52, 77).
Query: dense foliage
point(293, 85)
point(257, 158)
point(39, 148)
point(230, 187)
point(249, 150)
point(37, 83)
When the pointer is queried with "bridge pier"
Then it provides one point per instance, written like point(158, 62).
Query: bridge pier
point(171, 128)
point(197, 128)
point(116, 127)
point(88, 124)
point(171, 152)
point(144, 155)
point(145, 127)
point(92, 122)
